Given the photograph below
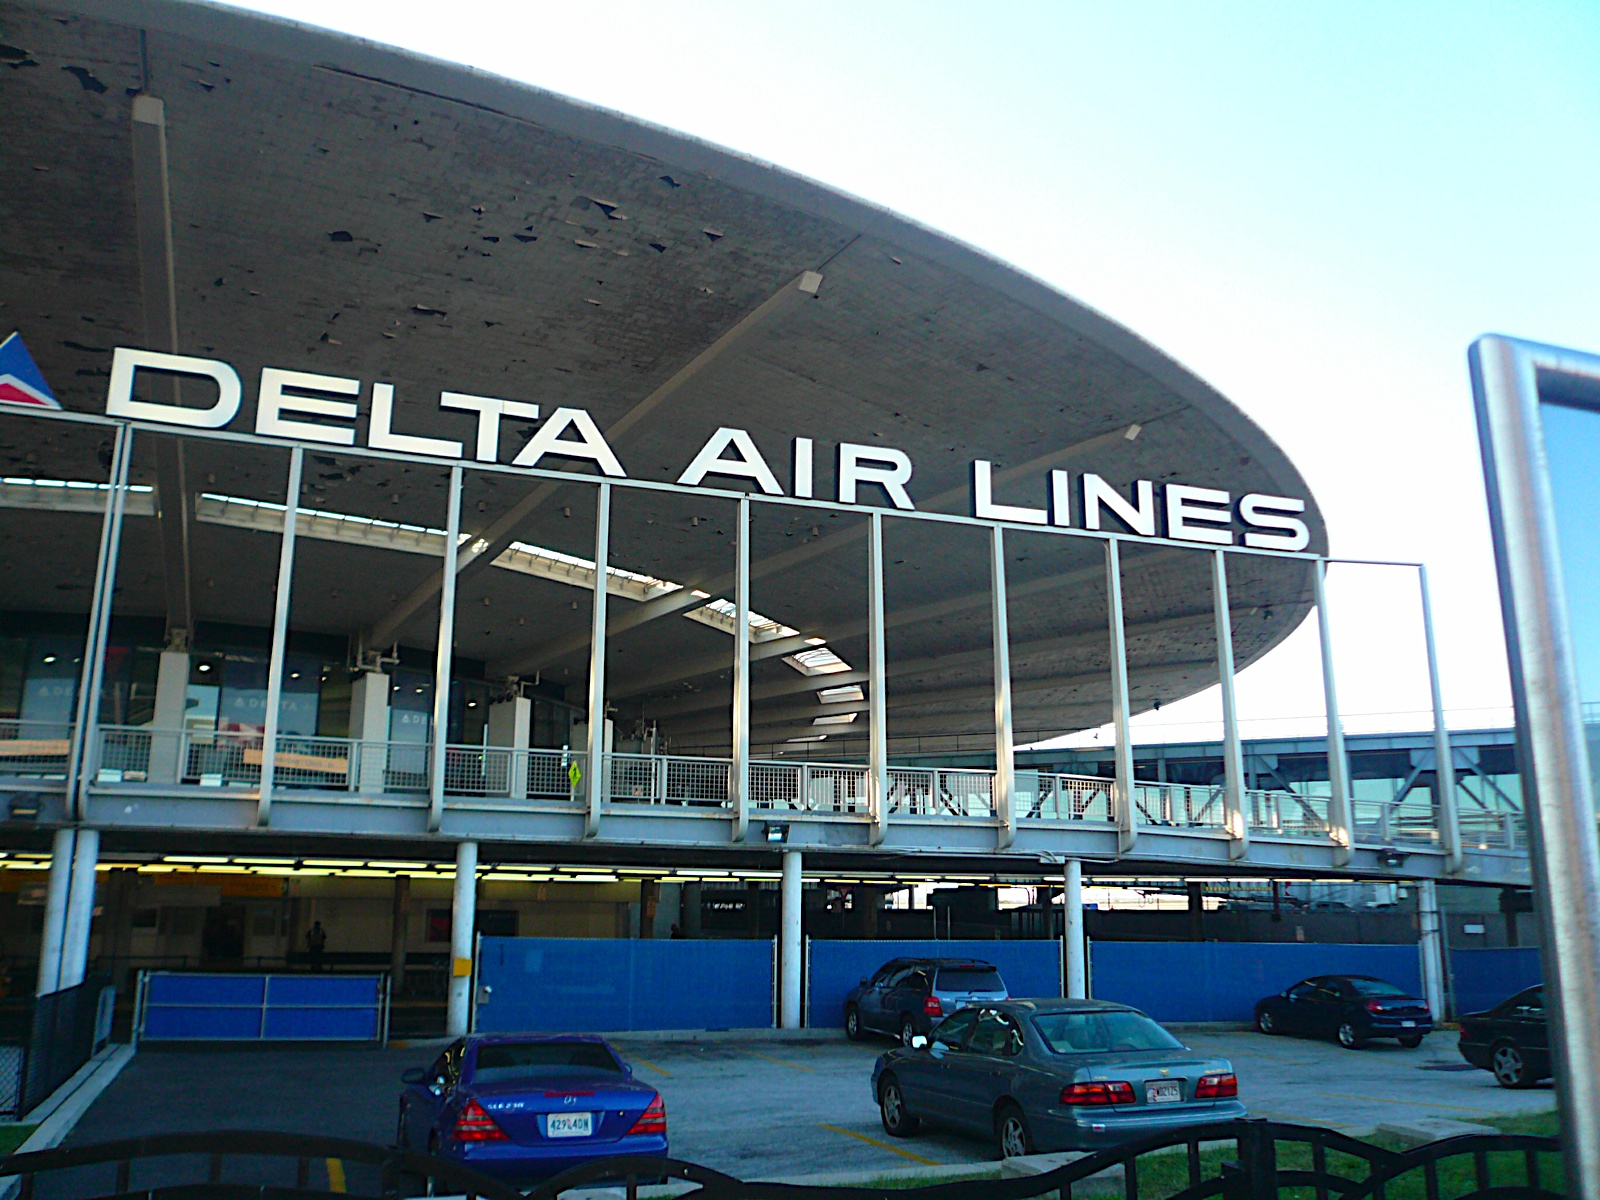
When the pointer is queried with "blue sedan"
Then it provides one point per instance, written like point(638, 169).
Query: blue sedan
point(524, 1107)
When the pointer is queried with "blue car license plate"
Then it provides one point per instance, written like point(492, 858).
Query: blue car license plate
point(566, 1125)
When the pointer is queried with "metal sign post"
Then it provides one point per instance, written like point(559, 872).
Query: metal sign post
point(1518, 387)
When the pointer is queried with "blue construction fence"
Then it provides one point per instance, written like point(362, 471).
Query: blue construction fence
point(833, 967)
point(174, 1006)
point(1221, 981)
point(614, 985)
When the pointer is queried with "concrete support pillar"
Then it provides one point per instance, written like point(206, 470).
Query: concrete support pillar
point(369, 725)
point(689, 910)
point(1074, 957)
point(55, 910)
point(649, 897)
point(1431, 947)
point(1197, 910)
point(789, 948)
point(166, 737)
point(511, 726)
point(80, 909)
point(463, 916)
point(398, 931)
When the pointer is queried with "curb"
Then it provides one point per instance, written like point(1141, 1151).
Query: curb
point(64, 1107)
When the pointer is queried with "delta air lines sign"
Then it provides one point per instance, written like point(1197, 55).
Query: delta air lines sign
point(306, 407)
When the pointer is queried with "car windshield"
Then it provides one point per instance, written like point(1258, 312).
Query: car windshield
point(1375, 987)
point(524, 1060)
point(1099, 1032)
point(970, 979)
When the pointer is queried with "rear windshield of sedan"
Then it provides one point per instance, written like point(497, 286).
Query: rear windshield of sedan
point(970, 979)
point(1091, 1032)
point(1375, 987)
point(521, 1060)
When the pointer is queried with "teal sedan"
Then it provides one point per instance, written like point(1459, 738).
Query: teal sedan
point(1038, 1076)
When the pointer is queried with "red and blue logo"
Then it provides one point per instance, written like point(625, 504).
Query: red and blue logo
point(20, 379)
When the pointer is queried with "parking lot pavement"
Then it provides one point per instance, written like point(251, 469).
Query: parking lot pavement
point(770, 1108)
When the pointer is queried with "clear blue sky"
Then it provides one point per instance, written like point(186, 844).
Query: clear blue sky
point(1316, 206)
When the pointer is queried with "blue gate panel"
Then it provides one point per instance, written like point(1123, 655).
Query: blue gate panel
point(1030, 968)
point(206, 989)
point(202, 1024)
point(1483, 978)
point(320, 1024)
point(325, 990)
point(1221, 981)
point(603, 985)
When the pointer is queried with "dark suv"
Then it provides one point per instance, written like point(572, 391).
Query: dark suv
point(908, 996)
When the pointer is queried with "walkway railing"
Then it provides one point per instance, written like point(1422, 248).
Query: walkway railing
point(498, 775)
point(34, 749)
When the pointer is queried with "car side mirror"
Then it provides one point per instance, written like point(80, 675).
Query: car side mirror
point(918, 1041)
point(627, 1071)
point(413, 1075)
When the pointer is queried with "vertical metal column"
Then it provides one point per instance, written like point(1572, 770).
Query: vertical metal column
point(280, 635)
point(1122, 787)
point(739, 775)
point(437, 757)
point(877, 714)
point(1446, 806)
point(1430, 943)
point(790, 951)
point(80, 909)
point(463, 917)
point(57, 893)
point(1234, 817)
point(82, 752)
point(1340, 826)
point(1076, 969)
point(594, 764)
point(1005, 765)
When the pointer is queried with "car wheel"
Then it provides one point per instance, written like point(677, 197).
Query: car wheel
point(1509, 1067)
point(852, 1023)
point(1348, 1037)
point(1012, 1134)
point(897, 1120)
point(1265, 1023)
point(907, 1032)
point(1411, 1041)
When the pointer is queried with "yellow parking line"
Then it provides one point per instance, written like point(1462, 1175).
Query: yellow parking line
point(781, 1063)
point(646, 1062)
point(335, 1175)
point(872, 1141)
point(1477, 1112)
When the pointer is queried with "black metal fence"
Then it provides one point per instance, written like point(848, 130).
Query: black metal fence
point(1231, 1160)
point(43, 1044)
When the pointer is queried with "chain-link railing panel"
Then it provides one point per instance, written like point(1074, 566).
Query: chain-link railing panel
point(34, 749)
point(700, 781)
point(911, 791)
point(636, 778)
point(776, 785)
point(836, 789)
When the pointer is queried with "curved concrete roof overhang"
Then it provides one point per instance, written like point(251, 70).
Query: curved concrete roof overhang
point(353, 210)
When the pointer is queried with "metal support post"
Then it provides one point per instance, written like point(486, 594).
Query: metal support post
point(1005, 765)
point(55, 909)
point(437, 757)
point(1076, 969)
point(280, 636)
point(1445, 801)
point(594, 763)
point(1340, 826)
point(1233, 812)
point(1430, 944)
point(80, 909)
point(739, 775)
point(790, 952)
point(81, 753)
point(877, 706)
point(463, 917)
point(1122, 787)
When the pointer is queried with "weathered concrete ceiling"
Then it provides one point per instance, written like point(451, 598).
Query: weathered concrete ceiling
point(344, 208)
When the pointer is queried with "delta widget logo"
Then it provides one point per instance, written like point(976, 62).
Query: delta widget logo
point(20, 379)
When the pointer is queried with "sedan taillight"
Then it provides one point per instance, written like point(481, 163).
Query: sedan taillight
point(1216, 1087)
point(931, 1007)
point(1098, 1092)
point(475, 1125)
point(653, 1119)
